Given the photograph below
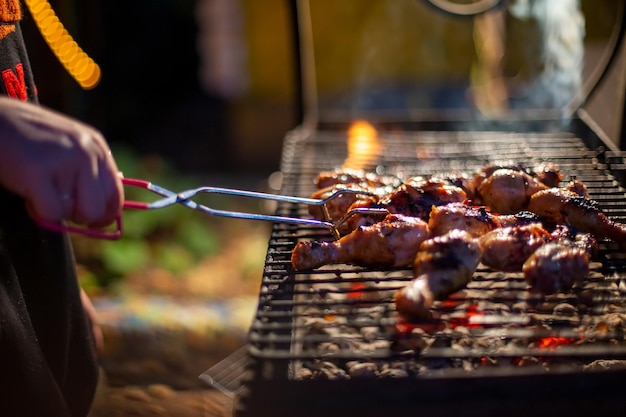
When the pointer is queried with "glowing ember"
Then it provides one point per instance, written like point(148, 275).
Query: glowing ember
point(552, 342)
point(356, 290)
point(363, 145)
point(404, 327)
point(468, 320)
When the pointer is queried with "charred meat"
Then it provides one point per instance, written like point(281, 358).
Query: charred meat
point(476, 220)
point(561, 206)
point(508, 191)
point(392, 242)
point(506, 249)
point(444, 265)
point(556, 266)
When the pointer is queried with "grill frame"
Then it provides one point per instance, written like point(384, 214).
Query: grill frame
point(275, 336)
point(268, 384)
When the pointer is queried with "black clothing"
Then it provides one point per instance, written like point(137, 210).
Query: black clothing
point(48, 365)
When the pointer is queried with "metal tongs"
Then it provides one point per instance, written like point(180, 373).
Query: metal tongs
point(185, 198)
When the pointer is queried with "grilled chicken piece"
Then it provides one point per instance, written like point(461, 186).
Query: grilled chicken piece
point(344, 176)
point(556, 266)
point(548, 174)
point(339, 205)
point(374, 187)
point(414, 198)
point(508, 191)
point(583, 214)
point(588, 243)
point(476, 220)
point(392, 242)
point(444, 265)
point(487, 170)
point(418, 195)
point(585, 241)
point(506, 249)
point(577, 187)
point(463, 181)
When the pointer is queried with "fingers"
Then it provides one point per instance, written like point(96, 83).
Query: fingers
point(89, 194)
point(82, 186)
point(97, 192)
point(60, 166)
point(97, 200)
point(46, 203)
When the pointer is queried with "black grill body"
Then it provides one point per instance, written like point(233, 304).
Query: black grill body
point(329, 342)
point(490, 348)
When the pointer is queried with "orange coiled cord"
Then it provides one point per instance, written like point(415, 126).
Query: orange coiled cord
point(75, 61)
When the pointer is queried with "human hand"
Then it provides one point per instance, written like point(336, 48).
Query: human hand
point(63, 168)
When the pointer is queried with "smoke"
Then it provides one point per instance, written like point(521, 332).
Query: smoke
point(552, 52)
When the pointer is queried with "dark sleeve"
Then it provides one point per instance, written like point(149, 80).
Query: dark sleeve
point(48, 364)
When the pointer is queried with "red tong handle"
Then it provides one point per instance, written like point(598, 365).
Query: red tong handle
point(106, 234)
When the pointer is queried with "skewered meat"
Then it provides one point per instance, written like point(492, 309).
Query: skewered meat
point(566, 207)
point(556, 266)
point(508, 191)
point(392, 242)
point(506, 249)
point(476, 220)
point(444, 264)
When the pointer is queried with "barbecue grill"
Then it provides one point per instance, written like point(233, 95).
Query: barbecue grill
point(329, 341)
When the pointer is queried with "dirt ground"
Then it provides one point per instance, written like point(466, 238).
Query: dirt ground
point(164, 331)
point(160, 401)
point(152, 373)
point(157, 372)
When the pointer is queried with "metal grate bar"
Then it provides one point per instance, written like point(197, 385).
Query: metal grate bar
point(330, 299)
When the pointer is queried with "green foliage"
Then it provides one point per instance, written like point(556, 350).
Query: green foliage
point(200, 238)
point(124, 256)
point(174, 257)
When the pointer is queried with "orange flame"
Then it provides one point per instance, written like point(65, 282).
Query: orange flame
point(363, 145)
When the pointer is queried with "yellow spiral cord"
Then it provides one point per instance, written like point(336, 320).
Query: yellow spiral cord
point(75, 61)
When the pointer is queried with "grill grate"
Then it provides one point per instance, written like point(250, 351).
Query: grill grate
point(349, 310)
point(319, 336)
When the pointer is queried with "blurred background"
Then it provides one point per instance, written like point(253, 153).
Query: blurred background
point(192, 93)
point(202, 92)
point(209, 83)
